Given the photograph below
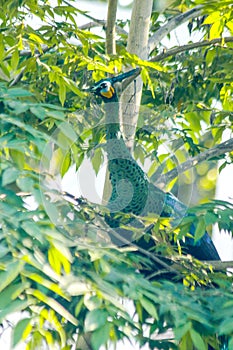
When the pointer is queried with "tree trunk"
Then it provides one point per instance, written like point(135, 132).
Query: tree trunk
point(137, 44)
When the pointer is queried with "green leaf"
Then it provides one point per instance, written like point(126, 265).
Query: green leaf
point(186, 342)
point(7, 210)
point(197, 340)
point(54, 262)
point(149, 307)
point(77, 155)
point(65, 164)
point(68, 131)
point(210, 218)
point(11, 272)
point(38, 111)
point(213, 17)
point(45, 282)
point(226, 327)
point(200, 229)
point(92, 302)
point(216, 29)
point(4, 72)
point(33, 230)
point(3, 251)
point(95, 319)
point(17, 156)
point(14, 306)
point(72, 86)
point(12, 292)
point(17, 92)
point(10, 175)
point(14, 59)
point(54, 305)
point(97, 160)
point(36, 38)
point(182, 330)
point(19, 330)
point(25, 184)
point(78, 307)
point(57, 115)
point(62, 93)
point(152, 169)
point(63, 253)
point(28, 128)
point(52, 211)
point(230, 344)
point(51, 317)
point(100, 336)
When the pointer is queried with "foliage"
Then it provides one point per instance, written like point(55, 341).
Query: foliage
point(57, 264)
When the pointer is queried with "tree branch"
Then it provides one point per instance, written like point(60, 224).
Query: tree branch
point(174, 51)
point(103, 23)
point(21, 73)
point(111, 28)
point(166, 268)
point(224, 147)
point(18, 77)
point(220, 265)
point(28, 53)
point(171, 25)
point(124, 241)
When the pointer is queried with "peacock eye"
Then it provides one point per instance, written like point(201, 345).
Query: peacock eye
point(103, 85)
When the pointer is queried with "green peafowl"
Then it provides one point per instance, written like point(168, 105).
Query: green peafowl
point(132, 192)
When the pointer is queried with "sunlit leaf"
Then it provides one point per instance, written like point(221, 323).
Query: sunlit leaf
point(54, 305)
point(62, 93)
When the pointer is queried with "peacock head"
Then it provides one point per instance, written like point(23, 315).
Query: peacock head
point(105, 87)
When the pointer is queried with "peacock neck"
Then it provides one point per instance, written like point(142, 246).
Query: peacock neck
point(112, 121)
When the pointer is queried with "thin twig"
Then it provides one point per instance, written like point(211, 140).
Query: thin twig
point(18, 77)
point(103, 23)
point(222, 148)
point(93, 24)
point(96, 21)
point(28, 53)
point(174, 51)
point(21, 73)
point(124, 241)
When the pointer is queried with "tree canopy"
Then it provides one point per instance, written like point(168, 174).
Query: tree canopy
point(57, 266)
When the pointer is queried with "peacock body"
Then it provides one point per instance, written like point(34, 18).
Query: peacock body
point(132, 192)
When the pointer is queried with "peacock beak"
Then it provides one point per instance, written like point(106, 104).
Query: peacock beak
point(93, 89)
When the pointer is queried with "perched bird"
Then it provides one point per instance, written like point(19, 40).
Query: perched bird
point(132, 192)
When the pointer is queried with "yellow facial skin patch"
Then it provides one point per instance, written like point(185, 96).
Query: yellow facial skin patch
point(109, 93)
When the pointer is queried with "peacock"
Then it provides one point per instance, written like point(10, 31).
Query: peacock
point(132, 192)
